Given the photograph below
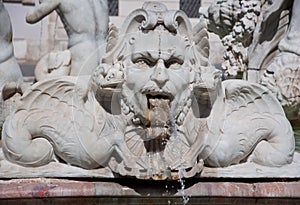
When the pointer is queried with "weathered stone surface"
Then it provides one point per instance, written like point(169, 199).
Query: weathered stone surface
point(53, 64)
point(9, 170)
point(231, 189)
point(53, 169)
point(49, 188)
point(252, 170)
point(41, 188)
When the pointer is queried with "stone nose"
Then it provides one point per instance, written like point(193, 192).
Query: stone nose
point(160, 75)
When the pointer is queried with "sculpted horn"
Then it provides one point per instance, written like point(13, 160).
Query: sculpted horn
point(177, 20)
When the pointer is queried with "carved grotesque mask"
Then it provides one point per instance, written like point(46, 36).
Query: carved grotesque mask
point(154, 65)
point(157, 76)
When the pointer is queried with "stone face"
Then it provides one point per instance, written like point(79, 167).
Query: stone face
point(154, 108)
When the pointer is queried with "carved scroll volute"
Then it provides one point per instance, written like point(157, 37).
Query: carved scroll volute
point(147, 18)
point(139, 18)
point(178, 21)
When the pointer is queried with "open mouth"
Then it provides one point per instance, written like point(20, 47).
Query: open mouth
point(159, 100)
point(158, 115)
point(159, 106)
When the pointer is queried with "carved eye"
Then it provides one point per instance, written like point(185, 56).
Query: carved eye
point(174, 63)
point(144, 62)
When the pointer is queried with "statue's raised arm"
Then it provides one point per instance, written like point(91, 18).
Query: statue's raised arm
point(8, 65)
point(86, 24)
point(44, 9)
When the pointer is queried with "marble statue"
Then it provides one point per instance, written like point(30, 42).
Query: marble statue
point(86, 24)
point(154, 108)
point(282, 74)
point(10, 72)
point(261, 39)
point(234, 21)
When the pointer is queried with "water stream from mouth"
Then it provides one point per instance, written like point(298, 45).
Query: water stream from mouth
point(175, 136)
point(161, 115)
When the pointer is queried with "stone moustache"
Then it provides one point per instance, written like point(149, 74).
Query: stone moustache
point(152, 108)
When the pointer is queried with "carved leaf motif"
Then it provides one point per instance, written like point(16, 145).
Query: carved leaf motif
point(256, 98)
point(201, 40)
point(113, 33)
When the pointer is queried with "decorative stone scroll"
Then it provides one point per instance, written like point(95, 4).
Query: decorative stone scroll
point(154, 108)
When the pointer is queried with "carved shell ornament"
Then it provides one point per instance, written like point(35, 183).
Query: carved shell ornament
point(154, 108)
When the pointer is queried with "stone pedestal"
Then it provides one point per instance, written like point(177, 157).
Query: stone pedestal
point(121, 191)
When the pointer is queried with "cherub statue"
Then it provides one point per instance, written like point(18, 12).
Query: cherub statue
point(10, 72)
point(152, 108)
point(86, 23)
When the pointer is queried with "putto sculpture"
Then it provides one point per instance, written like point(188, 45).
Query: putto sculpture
point(152, 108)
point(86, 24)
point(10, 72)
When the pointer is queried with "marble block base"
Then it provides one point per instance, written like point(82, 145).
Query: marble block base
point(58, 191)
